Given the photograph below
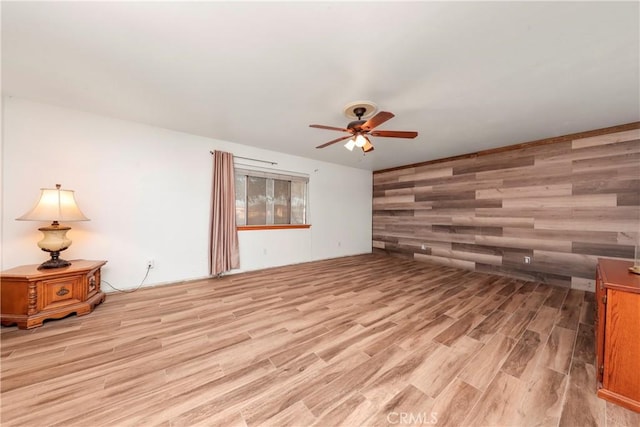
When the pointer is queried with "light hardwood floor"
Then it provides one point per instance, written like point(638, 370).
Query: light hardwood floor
point(367, 340)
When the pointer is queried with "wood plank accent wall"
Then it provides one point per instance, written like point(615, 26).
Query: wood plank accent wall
point(562, 201)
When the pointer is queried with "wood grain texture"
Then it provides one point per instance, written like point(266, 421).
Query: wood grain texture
point(358, 341)
point(566, 200)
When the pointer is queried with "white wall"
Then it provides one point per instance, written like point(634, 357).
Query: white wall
point(147, 193)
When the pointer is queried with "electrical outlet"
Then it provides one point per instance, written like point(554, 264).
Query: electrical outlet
point(150, 263)
point(527, 260)
point(423, 247)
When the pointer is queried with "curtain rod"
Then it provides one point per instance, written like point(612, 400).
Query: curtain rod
point(254, 160)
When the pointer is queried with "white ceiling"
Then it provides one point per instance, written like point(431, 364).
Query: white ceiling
point(466, 75)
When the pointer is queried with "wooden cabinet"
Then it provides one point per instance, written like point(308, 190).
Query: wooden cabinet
point(618, 333)
point(29, 296)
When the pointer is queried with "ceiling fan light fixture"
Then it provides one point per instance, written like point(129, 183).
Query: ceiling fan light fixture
point(361, 140)
point(367, 147)
point(350, 144)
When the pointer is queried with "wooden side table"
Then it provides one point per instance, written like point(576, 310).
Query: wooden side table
point(29, 296)
point(617, 332)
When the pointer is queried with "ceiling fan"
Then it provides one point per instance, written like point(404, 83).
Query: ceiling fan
point(359, 129)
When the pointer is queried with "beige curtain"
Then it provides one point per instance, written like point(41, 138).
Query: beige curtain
point(223, 241)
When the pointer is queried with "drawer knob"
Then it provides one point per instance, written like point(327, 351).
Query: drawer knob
point(62, 292)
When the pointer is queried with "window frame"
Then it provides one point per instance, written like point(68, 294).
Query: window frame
point(274, 175)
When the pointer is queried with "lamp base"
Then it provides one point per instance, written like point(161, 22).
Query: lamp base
point(54, 262)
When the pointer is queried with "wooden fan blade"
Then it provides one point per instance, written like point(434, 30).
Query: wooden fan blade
point(394, 133)
point(326, 144)
point(329, 128)
point(377, 120)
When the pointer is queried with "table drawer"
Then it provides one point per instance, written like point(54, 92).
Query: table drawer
point(56, 292)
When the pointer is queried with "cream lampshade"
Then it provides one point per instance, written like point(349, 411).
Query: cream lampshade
point(55, 205)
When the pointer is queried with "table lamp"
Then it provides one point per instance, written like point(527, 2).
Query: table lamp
point(55, 205)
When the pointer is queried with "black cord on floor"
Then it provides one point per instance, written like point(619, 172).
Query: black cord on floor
point(128, 291)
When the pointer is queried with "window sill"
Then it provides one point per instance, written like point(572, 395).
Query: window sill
point(272, 227)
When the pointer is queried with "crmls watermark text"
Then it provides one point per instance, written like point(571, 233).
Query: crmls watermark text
point(407, 418)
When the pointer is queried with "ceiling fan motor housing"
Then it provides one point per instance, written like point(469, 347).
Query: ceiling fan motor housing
point(356, 125)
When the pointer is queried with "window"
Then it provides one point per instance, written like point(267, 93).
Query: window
point(270, 199)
